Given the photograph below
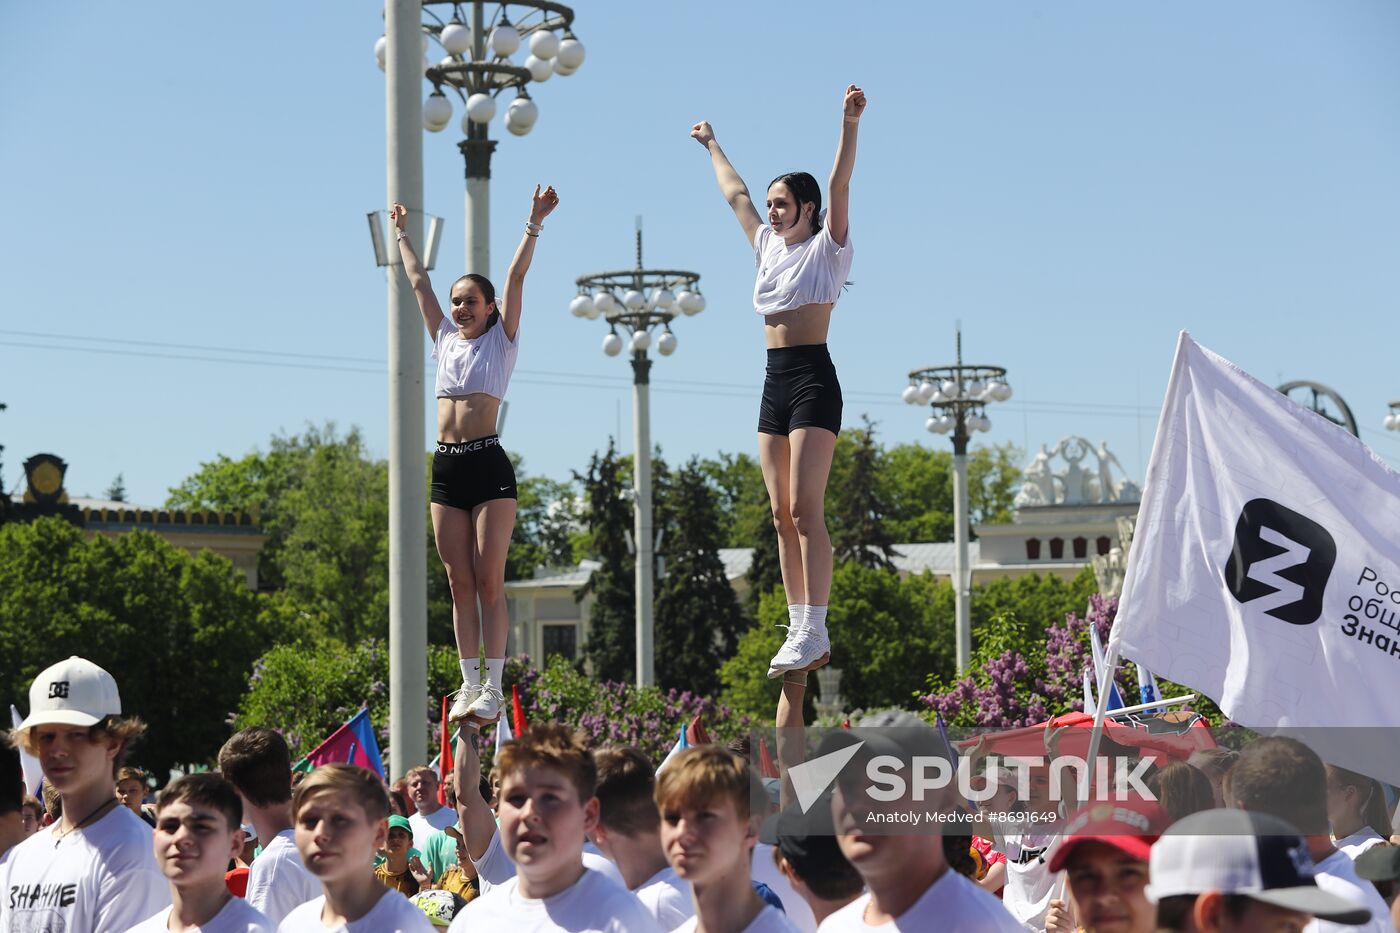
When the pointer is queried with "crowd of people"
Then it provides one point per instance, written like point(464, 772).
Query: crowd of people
point(564, 837)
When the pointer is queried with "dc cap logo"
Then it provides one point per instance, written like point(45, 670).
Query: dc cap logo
point(1282, 560)
point(58, 690)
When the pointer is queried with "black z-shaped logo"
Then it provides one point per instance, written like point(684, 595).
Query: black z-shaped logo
point(1283, 558)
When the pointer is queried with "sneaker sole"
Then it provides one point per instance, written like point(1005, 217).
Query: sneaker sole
point(823, 661)
point(479, 720)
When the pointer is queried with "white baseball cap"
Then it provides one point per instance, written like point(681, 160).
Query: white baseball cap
point(74, 692)
point(1244, 852)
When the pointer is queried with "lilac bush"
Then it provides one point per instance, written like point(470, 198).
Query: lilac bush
point(1014, 684)
point(614, 713)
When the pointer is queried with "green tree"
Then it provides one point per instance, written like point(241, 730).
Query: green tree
point(916, 485)
point(117, 491)
point(741, 499)
point(611, 645)
point(698, 617)
point(342, 679)
point(1034, 602)
point(858, 529)
point(178, 632)
point(324, 505)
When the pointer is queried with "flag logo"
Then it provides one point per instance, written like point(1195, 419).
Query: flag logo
point(1281, 561)
point(811, 778)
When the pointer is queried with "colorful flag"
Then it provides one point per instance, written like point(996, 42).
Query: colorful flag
point(766, 766)
point(1148, 691)
point(503, 733)
point(692, 733)
point(1114, 699)
point(1265, 566)
point(517, 711)
point(353, 743)
point(445, 756)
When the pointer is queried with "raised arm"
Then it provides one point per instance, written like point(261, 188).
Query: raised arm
point(417, 275)
point(473, 813)
point(540, 208)
point(791, 732)
point(735, 192)
point(838, 195)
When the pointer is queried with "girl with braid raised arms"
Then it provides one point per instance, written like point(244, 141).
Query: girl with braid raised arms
point(803, 255)
point(473, 486)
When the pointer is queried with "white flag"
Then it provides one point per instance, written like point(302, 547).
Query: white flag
point(1265, 567)
point(33, 772)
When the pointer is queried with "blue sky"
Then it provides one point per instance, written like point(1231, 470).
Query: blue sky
point(1074, 181)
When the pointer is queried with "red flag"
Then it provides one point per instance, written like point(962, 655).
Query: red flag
point(517, 711)
point(845, 724)
point(1161, 737)
point(445, 759)
point(766, 767)
point(695, 733)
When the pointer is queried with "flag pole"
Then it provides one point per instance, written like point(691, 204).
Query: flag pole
point(1155, 704)
point(1110, 665)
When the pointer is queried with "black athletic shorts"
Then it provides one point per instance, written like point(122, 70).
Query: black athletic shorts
point(800, 391)
point(472, 472)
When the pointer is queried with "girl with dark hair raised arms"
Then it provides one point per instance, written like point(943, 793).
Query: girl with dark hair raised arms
point(473, 487)
point(803, 255)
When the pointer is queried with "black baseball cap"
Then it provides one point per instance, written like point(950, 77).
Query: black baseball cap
point(807, 840)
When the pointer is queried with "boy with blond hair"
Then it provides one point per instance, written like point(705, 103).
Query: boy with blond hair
point(341, 816)
point(708, 831)
point(197, 831)
point(547, 808)
point(94, 869)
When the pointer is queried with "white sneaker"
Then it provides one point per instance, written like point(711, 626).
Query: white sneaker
point(802, 650)
point(486, 708)
point(461, 706)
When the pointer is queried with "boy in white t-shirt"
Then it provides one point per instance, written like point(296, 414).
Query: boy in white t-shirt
point(909, 883)
point(629, 833)
point(93, 870)
point(547, 808)
point(258, 764)
point(341, 814)
point(708, 830)
point(197, 832)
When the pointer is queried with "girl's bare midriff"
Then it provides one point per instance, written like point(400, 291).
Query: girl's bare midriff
point(467, 418)
point(798, 327)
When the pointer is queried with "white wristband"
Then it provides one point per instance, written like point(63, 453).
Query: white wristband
point(533, 229)
point(401, 234)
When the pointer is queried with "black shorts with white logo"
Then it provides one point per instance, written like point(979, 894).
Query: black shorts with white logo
point(472, 472)
point(800, 391)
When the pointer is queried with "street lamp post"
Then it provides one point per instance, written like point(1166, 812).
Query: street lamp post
point(638, 301)
point(959, 394)
point(478, 66)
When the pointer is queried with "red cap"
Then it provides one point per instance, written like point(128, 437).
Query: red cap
point(1131, 826)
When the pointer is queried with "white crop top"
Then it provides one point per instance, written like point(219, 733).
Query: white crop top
point(480, 365)
point(812, 272)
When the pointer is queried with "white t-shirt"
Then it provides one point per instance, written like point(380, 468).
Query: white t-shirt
point(277, 881)
point(1359, 841)
point(495, 867)
point(950, 903)
point(812, 272)
point(667, 897)
point(394, 913)
point(96, 879)
point(593, 904)
point(1030, 884)
point(765, 869)
point(235, 917)
point(425, 826)
point(769, 920)
point(1337, 875)
point(481, 364)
